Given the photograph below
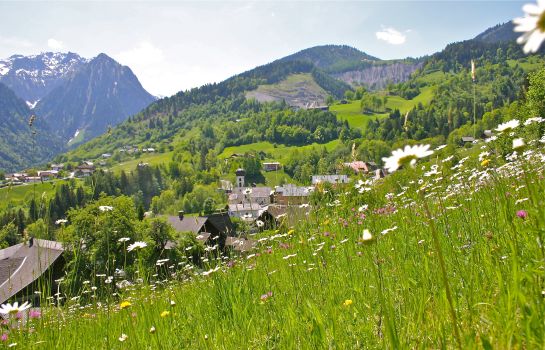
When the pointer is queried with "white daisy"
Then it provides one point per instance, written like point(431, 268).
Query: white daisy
point(61, 221)
point(534, 120)
point(518, 143)
point(105, 208)
point(532, 25)
point(367, 236)
point(123, 239)
point(9, 309)
point(137, 245)
point(408, 155)
point(512, 124)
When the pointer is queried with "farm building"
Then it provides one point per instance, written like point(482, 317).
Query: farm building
point(272, 166)
point(22, 265)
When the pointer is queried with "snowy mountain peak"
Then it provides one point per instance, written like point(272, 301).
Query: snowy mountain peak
point(32, 77)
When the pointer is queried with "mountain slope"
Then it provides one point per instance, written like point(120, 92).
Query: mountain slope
point(18, 146)
point(33, 77)
point(99, 94)
point(331, 58)
point(499, 33)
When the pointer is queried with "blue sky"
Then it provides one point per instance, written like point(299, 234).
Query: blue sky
point(174, 46)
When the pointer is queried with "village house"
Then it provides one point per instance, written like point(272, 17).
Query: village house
point(271, 166)
point(290, 194)
point(259, 195)
point(23, 264)
point(57, 167)
point(359, 167)
point(210, 230)
point(17, 177)
point(106, 155)
point(245, 211)
point(84, 170)
point(332, 179)
point(47, 175)
point(468, 139)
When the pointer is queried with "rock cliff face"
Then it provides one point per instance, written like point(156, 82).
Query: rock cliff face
point(378, 76)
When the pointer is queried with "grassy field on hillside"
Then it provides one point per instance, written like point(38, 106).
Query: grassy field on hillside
point(356, 119)
point(446, 255)
point(151, 159)
point(278, 153)
point(17, 195)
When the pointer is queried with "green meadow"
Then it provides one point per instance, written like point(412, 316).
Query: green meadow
point(447, 258)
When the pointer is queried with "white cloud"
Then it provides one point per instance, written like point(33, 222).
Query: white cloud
point(55, 44)
point(391, 36)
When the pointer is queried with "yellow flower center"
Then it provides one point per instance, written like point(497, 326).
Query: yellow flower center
point(14, 311)
point(406, 160)
point(541, 22)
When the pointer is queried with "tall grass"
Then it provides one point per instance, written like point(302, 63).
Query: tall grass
point(321, 285)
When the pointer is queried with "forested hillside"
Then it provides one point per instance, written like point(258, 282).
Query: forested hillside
point(22, 141)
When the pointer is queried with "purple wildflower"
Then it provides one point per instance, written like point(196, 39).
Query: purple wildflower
point(523, 214)
point(34, 314)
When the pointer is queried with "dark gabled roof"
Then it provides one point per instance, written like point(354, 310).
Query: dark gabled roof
point(199, 224)
point(22, 264)
point(188, 223)
point(222, 222)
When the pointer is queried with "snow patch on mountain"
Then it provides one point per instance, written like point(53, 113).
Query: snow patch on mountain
point(74, 137)
point(31, 105)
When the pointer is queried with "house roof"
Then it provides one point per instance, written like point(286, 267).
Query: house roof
point(85, 166)
point(244, 207)
point(357, 165)
point(468, 139)
point(23, 263)
point(291, 190)
point(200, 224)
point(188, 223)
point(255, 192)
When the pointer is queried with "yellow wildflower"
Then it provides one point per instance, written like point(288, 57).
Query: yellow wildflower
point(165, 313)
point(125, 304)
point(290, 232)
point(347, 302)
point(485, 162)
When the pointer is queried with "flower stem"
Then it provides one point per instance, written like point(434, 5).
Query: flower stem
point(437, 247)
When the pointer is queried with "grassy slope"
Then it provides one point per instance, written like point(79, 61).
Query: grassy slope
point(278, 153)
point(151, 159)
point(356, 119)
point(329, 289)
point(18, 195)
